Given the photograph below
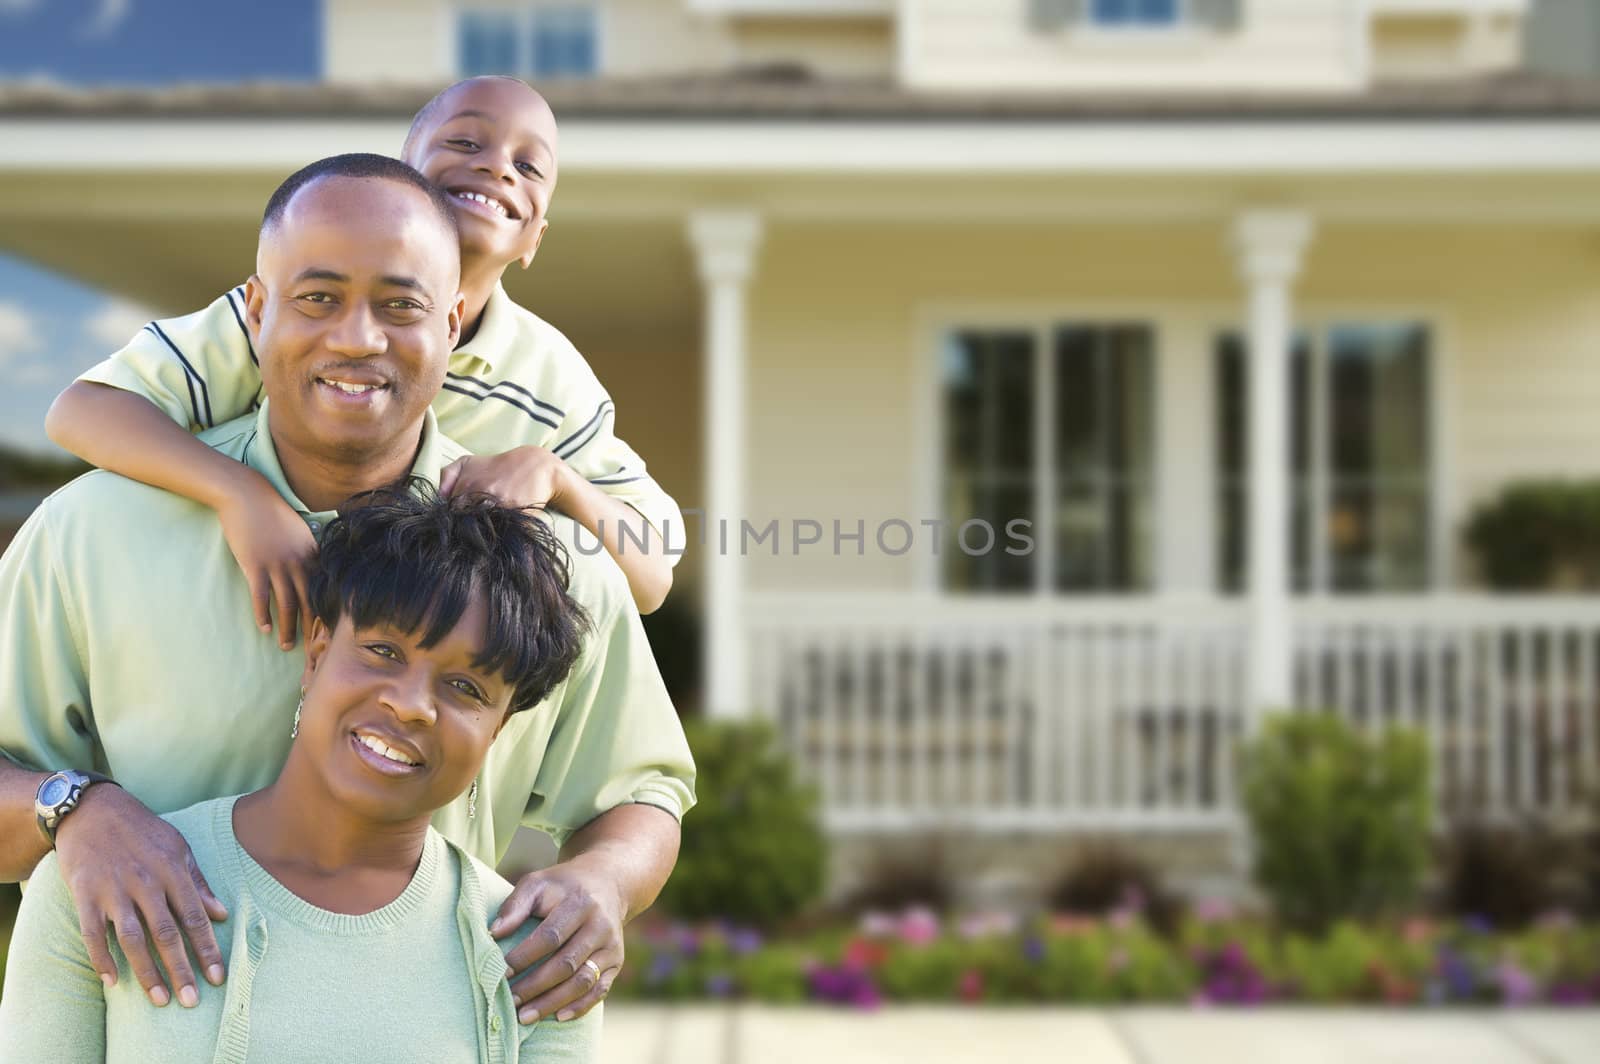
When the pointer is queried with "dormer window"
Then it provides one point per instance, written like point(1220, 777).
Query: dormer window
point(531, 41)
point(1049, 16)
point(1134, 13)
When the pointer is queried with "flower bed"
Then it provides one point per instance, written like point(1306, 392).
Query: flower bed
point(1214, 959)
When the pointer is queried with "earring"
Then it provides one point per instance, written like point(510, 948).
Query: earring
point(294, 733)
point(472, 800)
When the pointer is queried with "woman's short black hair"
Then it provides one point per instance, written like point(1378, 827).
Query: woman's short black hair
point(408, 559)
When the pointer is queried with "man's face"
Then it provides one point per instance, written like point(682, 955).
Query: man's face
point(354, 310)
point(492, 139)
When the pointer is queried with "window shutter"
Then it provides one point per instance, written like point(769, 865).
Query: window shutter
point(1220, 15)
point(1045, 16)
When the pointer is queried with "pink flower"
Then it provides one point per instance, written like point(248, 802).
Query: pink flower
point(1417, 929)
point(971, 986)
point(1517, 986)
point(878, 925)
point(984, 925)
point(919, 926)
point(1213, 910)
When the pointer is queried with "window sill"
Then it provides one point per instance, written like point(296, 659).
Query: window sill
point(1140, 38)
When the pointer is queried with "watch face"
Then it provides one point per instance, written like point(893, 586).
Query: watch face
point(55, 791)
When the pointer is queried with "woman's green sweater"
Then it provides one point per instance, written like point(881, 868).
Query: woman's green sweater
point(418, 980)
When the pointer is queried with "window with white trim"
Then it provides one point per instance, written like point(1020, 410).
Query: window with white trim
point(1360, 458)
point(537, 41)
point(1053, 426)
point(1118, 13)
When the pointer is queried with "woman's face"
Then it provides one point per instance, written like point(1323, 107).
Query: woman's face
point(395, 730)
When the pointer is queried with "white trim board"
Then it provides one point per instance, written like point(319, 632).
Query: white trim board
point(820, 148)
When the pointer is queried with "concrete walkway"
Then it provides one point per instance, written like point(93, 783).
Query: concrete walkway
point(755, 1034)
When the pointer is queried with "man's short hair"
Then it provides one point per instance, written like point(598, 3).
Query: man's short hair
point(405, 558)
point(359, 165)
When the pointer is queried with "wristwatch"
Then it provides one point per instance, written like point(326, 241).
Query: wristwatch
point(59, 795)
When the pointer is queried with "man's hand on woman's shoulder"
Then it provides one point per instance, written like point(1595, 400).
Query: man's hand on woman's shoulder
point(126, 867)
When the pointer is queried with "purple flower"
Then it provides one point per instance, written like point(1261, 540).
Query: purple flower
point(844, 986)
point(685, 939)
point(1571, 994)
point(662, 967)
point(1033, 948)
point(719, 984)
point(1478, 924)
point(744, 940)
point(1517, 985)
point(1458, 975)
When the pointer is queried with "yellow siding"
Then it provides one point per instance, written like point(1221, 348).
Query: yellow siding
point(1283, 45)
point(397, 41)
point(643, 37)
point(1442, 46)
point(843, 48)
point(836, 356)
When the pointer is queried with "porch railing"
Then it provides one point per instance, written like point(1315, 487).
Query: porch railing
point(1126, 713)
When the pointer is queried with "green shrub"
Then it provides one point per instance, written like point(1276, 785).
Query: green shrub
point(752, 849)
point(1340, 820)
point(1537, 531)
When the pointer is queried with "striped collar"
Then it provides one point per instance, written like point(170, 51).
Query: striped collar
point(260, 455)
point(497, 332)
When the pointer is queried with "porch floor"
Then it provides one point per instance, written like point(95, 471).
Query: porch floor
point(747, 1034)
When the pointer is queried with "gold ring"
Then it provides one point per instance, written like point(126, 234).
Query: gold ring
point(593, 967)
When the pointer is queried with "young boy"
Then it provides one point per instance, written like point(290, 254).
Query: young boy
point(518, 394)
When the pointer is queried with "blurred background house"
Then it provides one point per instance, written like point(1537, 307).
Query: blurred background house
point(1245, 307)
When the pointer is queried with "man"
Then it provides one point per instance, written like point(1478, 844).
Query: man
point(128, 648)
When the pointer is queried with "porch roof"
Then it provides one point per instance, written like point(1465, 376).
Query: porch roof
point(788, 93)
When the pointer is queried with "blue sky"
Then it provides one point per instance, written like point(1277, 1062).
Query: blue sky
point(150, 42)
point(52, 328)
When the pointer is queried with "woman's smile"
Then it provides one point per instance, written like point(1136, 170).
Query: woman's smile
point(381, 757)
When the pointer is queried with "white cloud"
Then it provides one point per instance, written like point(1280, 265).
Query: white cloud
point(19, 335)
point(17, 7)
point(114, 324)
point(106, 19)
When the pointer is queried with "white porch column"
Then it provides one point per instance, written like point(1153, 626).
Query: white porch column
point(1270, 244)
point(725, 245)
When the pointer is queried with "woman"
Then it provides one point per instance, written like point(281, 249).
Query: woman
point(355, 932)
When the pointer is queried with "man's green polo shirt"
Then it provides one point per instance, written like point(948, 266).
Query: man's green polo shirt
point(127, 645)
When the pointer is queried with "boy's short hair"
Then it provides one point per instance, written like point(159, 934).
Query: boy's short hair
point(405, 558)
point(424, 113)
point(359, 165)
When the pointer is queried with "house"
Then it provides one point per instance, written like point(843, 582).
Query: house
point(1238, 307)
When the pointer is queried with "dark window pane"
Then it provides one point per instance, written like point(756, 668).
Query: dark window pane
point(1378, 439)
point(564, 42)
point(487, 43)
point(1104, 446)
point(990, 471)
point(1080, 538)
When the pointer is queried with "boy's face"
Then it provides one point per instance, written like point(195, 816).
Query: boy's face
point(354, 310)
point(491, 139)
